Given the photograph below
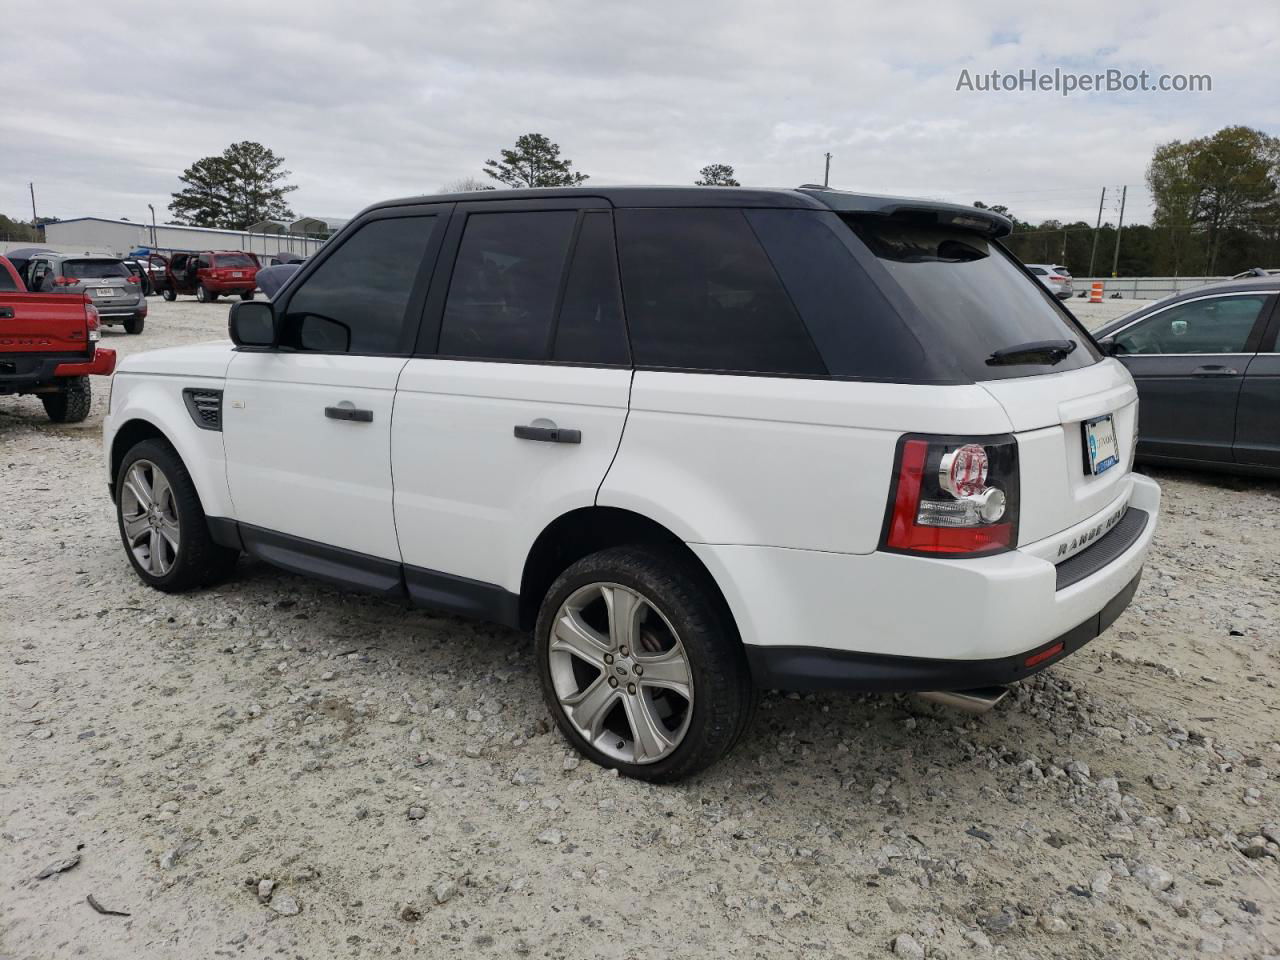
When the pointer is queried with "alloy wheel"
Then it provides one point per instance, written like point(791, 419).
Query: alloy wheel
point(149, 517)
point(620, 673)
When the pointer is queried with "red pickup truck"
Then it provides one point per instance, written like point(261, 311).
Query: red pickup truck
point(49, 347)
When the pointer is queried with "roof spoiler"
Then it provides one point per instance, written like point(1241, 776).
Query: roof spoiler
point(986, 222)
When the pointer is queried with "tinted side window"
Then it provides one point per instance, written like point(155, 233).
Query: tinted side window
point(355, 301)
point(506, 280)
point(6, 281)
point(590, 328)
point(701, 294)
point(1215, 325)
point(858, 331)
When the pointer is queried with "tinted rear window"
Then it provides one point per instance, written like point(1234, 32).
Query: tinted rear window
point(6, 281)
point(969, 292)
point(94, 269)
point(702, 295)
point(233, 260)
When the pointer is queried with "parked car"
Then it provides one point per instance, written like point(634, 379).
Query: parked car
point(734, 451)
point(1208, 374)
point(111, 287)
point(49, 347)
point(1056, 280)
point(150, 270)
point(210, 274)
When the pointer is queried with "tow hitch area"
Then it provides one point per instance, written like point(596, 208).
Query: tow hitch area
point(979, 700)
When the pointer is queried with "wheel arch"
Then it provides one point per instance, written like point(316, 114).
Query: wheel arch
point(585, 531)
point(147, 416)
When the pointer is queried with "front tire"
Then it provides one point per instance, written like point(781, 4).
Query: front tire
point(162, 524)
point(71, 405)
point(134, 324)
point(169, 293)
point(640, 663)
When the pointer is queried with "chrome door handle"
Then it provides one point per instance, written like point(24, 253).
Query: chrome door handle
point(1215, 370)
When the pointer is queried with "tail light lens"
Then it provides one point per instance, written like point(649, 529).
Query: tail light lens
point(65, 281)
point(1056, 278)
point(134, 278)
point(953, 496)
point(92, 321)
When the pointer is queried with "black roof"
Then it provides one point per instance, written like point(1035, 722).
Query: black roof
point(807, 197)
point(1243, 285)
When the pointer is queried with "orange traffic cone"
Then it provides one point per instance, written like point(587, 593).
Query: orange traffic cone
point(1095, 292)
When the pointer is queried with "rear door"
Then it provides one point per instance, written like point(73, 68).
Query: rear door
point(512, 411)
point(1258, 411)
point(1189, 361)
point(307, 426)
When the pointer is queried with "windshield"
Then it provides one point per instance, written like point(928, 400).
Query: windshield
point(233, 260)
point(969, 287)
point(94, 269)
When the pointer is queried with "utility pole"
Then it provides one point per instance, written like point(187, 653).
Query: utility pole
point(1094, 254)
point(826, 176)
point(34, 219)
point(1120, 226)
point(153, 227)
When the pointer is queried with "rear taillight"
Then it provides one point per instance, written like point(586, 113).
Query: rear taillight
point(953, 496)
point(92, 321)
point(1058, 279)
point(65, 281)
point(133, 278)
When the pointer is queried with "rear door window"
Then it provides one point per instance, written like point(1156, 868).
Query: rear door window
point(590, 328)
point(702, 295)
point(970, 297)
point(6, 281)
point(356, 299)
point(505, 285)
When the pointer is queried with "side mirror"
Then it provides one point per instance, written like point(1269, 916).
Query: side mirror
point(252, 324)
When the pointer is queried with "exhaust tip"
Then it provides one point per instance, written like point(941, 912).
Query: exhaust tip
point(977, 701)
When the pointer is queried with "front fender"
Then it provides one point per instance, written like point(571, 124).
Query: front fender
point(157, 401)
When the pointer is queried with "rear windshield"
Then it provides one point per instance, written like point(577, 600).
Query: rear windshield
point(94, 269)
point(233, 260)
point(969, 289)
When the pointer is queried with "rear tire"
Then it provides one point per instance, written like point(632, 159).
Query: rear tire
point(681, 639)
point(203, 295)
point(169, 293)
point(134, 324)
point(162, 481)
point(72, 404)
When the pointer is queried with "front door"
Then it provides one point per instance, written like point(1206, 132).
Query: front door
point(307, 426)
point(514, 409)
point(1188, 361)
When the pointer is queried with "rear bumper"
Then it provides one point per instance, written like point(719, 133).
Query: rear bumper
point(817, 668)
point(892, 621)
point(230, 286)
point(103, 364)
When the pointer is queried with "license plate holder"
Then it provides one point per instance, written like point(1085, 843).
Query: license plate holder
point(1101, 451)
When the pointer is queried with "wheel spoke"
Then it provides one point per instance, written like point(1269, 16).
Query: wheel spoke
point(670, 671)
point(624, 614)
point(647, 732)
point(154, 563)
point(160, 492)
point(136, 483)
point(574, 635)
point(589, 708)
point(135, 527)
point(169, 530)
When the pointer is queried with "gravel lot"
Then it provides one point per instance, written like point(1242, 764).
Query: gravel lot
point(274, 768)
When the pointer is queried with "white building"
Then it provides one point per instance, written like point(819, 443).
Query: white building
point(121, 237)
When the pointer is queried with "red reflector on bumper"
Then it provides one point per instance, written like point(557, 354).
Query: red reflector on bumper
point(1044, 655)
point(102, 365)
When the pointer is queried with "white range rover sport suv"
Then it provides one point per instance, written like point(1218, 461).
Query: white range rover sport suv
point(699, 441)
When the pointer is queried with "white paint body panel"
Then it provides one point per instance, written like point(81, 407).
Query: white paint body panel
point(148, 387)
point(471, 498)
point(293, 470)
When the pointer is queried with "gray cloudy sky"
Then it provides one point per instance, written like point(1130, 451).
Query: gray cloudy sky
point(379, 99)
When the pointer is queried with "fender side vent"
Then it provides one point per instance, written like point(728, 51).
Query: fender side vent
point(205, 407)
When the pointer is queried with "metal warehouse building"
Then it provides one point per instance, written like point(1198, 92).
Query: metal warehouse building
point(121, 237)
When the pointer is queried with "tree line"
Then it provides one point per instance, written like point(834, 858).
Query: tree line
point(1216, 203)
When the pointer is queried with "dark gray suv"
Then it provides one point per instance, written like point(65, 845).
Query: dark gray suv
point(110, 286)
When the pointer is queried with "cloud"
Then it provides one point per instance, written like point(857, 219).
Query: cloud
point(378, 100)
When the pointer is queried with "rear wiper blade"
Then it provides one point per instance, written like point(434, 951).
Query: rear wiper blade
point(1036, 351)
